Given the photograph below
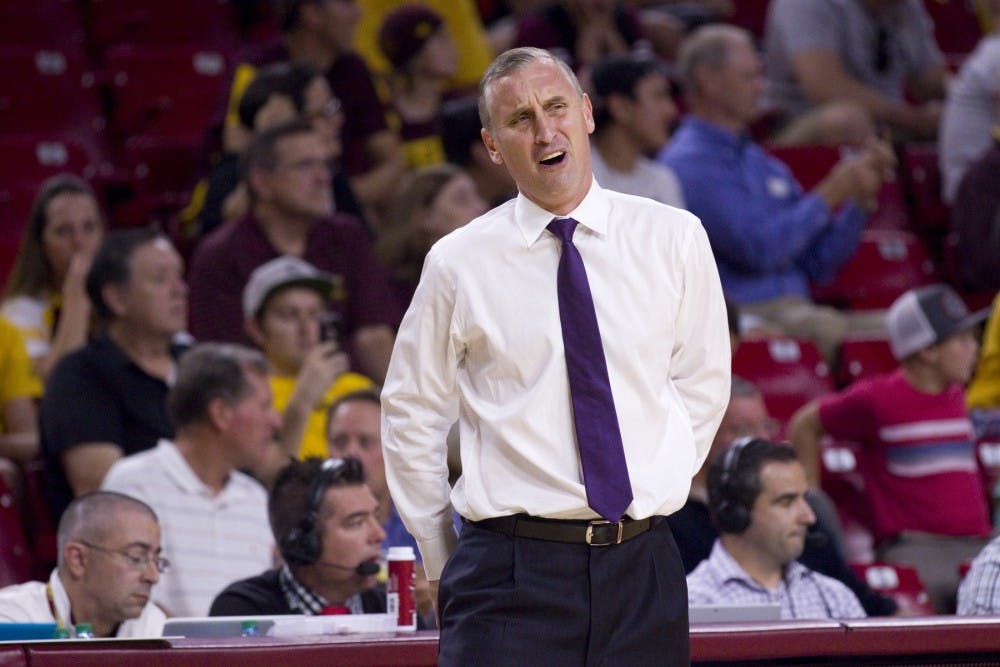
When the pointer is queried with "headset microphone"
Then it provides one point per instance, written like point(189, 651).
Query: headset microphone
point(365, 568)
point(816, 540)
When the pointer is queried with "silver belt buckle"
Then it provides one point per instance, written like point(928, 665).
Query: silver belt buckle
point(603, 522)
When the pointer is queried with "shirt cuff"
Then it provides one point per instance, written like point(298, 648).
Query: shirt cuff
point(435, 552)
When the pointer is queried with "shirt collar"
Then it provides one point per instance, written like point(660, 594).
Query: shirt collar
point(303, 600)
point(727, 569)
point(593, 212)
point(719, 136)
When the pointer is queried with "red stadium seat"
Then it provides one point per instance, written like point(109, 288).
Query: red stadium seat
point(168, 91)
point(40, 523)
point(885, 264)
point(901, 583)
point(15, 556)
point(50, 92)
point(42, 23)
point(788, 373)
point(922, 182)
point(751, 15)
point(207, 24)
point(860, 358)
point(843, 483)
point(956, 26)
point(31, 158)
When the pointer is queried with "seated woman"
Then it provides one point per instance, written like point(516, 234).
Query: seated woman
point(435, 201)
point(45, 296)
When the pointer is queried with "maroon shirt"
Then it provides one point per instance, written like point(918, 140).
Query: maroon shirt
point(350, 80)
point(224, 260)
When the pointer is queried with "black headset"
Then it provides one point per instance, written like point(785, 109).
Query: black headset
point(731, 514)
point(304, 544)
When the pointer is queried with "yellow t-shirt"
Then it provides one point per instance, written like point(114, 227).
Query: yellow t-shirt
point(464, 26)
point(314, 439)
point(984, 390)
point(17, 376)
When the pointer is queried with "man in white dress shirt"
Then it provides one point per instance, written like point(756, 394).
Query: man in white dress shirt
point(537, 575)
point(109, 560)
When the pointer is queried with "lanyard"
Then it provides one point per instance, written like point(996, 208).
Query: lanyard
point(60, 623)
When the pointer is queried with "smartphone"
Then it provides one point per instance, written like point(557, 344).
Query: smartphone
point(330, 327)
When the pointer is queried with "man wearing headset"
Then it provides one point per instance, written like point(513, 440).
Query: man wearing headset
point(756, 495)
point(324, 521)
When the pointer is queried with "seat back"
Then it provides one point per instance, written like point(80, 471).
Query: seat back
point(15, 556)
point(900, 582)
point(787, 371)
point(861, 358)
point(885, 264)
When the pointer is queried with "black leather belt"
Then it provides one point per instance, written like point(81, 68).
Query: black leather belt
point(596, 533)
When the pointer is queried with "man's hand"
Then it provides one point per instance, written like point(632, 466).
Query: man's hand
point(320, 369)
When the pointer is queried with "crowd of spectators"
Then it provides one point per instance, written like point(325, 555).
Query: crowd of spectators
point(187, 365)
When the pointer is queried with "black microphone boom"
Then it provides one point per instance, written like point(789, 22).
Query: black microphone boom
point(365, 568)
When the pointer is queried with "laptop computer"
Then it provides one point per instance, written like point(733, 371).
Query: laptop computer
point(733, 613)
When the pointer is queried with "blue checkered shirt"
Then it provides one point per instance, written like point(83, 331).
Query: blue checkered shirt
point(802, 593)
point(979, 594)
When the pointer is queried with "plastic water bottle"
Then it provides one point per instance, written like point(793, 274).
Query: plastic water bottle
point(249, 629)
point(84, 631)
point(400, 586)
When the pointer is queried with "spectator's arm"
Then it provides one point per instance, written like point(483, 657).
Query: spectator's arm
point(74, 317)
point(372, 347)
point(19, 440)
point(822, 77)
point(805, 430)
point(376, 186)
point(87, 463)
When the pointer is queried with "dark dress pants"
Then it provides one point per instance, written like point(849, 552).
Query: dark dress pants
point(519, 601)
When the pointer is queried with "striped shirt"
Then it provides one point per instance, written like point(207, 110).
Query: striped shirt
point(802, 593)
point(979, 594)
point(212, 539)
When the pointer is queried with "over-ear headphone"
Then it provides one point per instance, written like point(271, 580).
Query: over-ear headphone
point(731, 514)
point(304, 544)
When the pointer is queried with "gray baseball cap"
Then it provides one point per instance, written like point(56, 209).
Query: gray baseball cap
point(279, 273)
point(927, 315)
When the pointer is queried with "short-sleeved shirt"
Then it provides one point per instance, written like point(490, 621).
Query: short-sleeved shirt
point(314, 439)
point(917, 458)
point(211, 539)
point(17, 377)
point(349, 79)
point(802, 592)
point(223, 262)
point(35, 318)
point(98, 394)
point(849, 30)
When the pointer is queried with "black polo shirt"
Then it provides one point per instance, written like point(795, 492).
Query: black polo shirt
point(98, 394)
point(262, 596)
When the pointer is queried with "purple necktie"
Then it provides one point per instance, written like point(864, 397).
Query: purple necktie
point(605, 473)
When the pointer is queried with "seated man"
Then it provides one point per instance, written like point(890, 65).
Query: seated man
point(979, 592)
point(770, 239)
point(214, 517)
point(323, 518)
point(284, 304)
point(746, 417)
point(109, 560)
point(917, 461)
point(287, 172)
point(633, 112)
point(757, 499)
point(823, 55)
point(108, 399)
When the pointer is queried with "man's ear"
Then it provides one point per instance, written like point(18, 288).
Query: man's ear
point(75, 560)
point(113, 295)
point(259, 183)
point(254, 332)
point(588, 113)
point(491, 147)
point(219, 414)
point(617, 106)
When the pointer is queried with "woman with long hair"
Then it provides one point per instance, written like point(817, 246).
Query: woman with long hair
point(45, 295)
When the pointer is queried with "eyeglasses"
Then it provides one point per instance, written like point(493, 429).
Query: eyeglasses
point(329, 110)
point(134, 561)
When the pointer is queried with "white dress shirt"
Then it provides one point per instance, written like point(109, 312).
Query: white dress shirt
point(29, 603)
point(482, 343)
